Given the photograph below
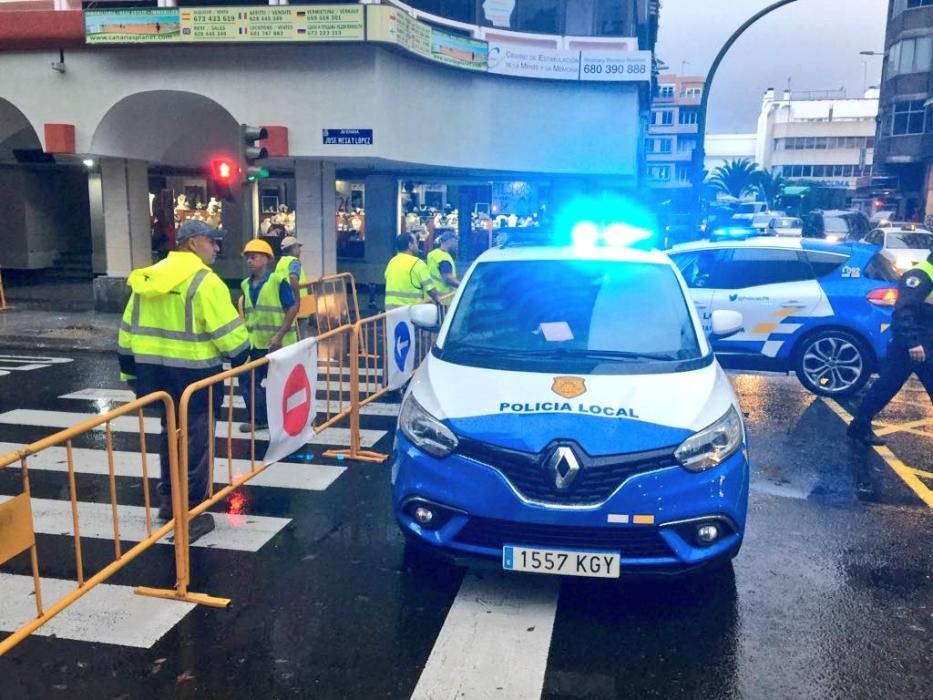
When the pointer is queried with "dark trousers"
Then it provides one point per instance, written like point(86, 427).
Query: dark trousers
point(199, 436)
point(246, 383)
point(894, 373)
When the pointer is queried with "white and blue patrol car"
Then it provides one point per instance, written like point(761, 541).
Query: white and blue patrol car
point(572, 419)
point(819, 309)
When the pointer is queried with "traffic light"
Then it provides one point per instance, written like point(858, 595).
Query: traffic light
point(253, 152)
point(222, 171)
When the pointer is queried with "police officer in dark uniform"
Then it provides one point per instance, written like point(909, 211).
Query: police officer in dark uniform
point(910, 350)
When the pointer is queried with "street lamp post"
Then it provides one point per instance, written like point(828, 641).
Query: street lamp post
point(699, 153)
point(865, 64)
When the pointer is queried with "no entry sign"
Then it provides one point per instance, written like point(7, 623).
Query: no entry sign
point(290, 390)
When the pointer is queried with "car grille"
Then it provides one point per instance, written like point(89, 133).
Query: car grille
point(598, 477)
point(632, 542)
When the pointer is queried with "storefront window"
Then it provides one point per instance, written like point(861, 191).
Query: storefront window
point(351, 219)
point(460, 10)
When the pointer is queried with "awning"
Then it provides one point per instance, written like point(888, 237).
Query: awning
point(795, 190)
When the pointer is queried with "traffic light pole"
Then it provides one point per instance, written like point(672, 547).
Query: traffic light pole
point(699, 153)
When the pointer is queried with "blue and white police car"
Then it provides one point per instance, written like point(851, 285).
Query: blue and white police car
point(572, 419)
point(819, 309)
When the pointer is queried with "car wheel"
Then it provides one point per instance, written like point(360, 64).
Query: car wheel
point(833, 363)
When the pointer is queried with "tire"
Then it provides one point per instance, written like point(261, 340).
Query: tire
point(833, 363)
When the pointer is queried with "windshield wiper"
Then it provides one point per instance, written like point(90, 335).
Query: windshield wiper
point(602, 354)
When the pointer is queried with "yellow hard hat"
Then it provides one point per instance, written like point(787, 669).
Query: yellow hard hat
point(257, 246)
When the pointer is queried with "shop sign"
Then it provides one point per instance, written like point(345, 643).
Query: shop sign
point(532, 62)
point(347, 137)
point(227, 24)
point(615, 66)
point(151, 25)
point(499, 12)
point(459, 51)
point(390, 24)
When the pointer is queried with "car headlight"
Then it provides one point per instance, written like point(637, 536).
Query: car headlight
point(713, 445)
point(424, 430)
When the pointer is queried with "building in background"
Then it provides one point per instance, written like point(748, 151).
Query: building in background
point(816, 137)
point(904, 152)
point(672, 134)
point(725, 148)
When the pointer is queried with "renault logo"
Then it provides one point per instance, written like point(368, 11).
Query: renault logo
point(563, 466)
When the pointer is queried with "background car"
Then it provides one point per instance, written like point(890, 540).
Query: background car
point(789, 226)
point(821, 310)
point(836, 225)
point(902, 247)
point(760, 222)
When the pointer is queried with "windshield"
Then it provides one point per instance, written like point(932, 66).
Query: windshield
point(555, 315)
point(916, 239)
point(788, 223)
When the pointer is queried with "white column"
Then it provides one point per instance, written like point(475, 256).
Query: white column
point(125, 194)
point(316, 216)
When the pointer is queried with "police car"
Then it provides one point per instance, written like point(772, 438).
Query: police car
point(822, 310)
point(571, 419)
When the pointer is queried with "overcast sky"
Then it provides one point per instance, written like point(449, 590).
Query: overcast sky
point(815, 43)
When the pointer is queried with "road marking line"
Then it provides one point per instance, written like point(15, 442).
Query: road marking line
point(495, 640)
point(107, 614)
point(286, 475)
point(125, 396)
point(890, 428)
point(339, 437)
point(242, 533)
point(897, 466)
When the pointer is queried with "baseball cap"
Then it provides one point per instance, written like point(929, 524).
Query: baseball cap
point(195, 227)
point(289, 241)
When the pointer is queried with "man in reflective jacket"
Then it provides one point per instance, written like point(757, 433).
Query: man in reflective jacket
point(408, 280)
point(910, 350)
point(178, 327)
point(270, 308)
point(442, 267)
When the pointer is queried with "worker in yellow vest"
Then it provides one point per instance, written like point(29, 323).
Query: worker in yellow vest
point(442, 266)
point(177, 328)
point(289, 266)
point(270, 309)
point(408, 280)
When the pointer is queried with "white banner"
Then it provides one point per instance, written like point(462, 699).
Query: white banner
point(531, 62)
point(400, 346)
point(615, 66)
point(290, 389)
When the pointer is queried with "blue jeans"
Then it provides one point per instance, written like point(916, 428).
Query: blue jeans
point(262, 416)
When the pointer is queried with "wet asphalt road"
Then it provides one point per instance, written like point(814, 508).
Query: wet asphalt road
point(831, 596)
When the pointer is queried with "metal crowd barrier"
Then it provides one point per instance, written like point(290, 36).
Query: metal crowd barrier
point(3, 305)
point(334, 378)
point(17, 532)
point(336, 302)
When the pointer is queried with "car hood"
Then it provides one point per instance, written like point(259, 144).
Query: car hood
point(604, 414)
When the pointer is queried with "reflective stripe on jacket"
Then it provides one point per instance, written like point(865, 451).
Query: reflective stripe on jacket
point(407, 281)
point(266, 318)
point(179, 315)
point(435, 258)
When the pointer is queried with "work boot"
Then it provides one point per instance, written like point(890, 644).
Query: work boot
point(200, 526)
point(165, 508)
point(864, 433)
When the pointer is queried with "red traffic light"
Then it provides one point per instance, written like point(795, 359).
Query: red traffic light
point(222, 170)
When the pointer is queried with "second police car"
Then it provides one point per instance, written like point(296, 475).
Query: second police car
point(819, 309)
point(572, 419)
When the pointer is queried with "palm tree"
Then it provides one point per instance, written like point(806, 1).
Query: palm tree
point(769, 186)
point(735, 177)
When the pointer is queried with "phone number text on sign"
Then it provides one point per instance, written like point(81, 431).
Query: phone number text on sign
point(634, 66)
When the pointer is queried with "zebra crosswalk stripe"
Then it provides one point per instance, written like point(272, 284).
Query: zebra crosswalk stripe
point(244, 533)
point(290, 475)
point(339, 437)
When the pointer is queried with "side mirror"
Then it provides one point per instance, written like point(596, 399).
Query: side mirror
point(726, 323)
point(425, 316)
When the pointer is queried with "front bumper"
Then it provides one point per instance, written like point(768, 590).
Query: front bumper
point(651, 519)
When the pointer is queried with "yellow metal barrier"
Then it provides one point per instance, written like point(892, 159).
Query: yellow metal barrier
point(336, 302)
point(3, 305)
point(333, 377)
point(17, 533)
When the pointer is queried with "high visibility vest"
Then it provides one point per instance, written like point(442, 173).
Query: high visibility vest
point(265, 318)
point(179, 316)
point(435, 258)
point(407, 281)
point(927, 267)
point(305, 305)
